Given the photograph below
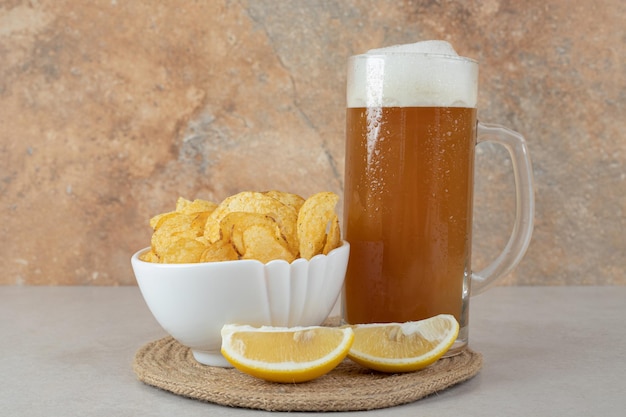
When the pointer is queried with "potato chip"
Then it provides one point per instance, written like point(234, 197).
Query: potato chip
point(255, 236)
point(262, 244)
point(249, 225)
point(313, 219)
point(233, 225)
point(186, 207)
point(156, 220)
point(196, 206)
point(174, 226)
point(149, 256)
point(182, 250)
point(219, 251)
point(255, 202)
point(199, 221)
point(333, 238)
point(181, 203)
point(293, 200)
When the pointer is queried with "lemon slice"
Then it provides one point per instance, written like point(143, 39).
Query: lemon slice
point(280, 354)
point(403, 347)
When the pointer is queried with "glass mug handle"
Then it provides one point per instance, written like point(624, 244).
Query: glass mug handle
point(524, 206)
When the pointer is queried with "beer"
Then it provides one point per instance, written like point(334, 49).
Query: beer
point(411, 132)
point(407, 211)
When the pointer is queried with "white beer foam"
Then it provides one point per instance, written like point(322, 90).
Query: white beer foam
point(423, 47)
point(412, 75)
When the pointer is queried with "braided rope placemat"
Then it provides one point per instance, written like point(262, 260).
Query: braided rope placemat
point(168, 365)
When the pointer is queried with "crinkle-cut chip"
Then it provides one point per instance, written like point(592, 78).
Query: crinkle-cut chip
point(196, 206)
point(182, 250)
point(174, 226)
point(333, 238)
point(262, 244)
point(219, 251)
point(149, 256)
point(255, 202)
point(313, 218)
point(290, 199)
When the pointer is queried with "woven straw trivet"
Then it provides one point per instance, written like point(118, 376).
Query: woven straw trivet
point(168, 365)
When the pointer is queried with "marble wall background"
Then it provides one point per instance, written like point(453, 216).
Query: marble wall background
point(109, 110)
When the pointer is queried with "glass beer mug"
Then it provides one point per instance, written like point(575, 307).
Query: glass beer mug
point(409, 177)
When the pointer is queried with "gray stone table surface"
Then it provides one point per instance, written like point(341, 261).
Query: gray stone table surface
point(67, 351)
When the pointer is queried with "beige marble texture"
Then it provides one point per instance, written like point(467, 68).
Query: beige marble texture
point(109, 110)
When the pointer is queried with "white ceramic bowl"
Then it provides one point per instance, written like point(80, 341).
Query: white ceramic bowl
point(193, 301)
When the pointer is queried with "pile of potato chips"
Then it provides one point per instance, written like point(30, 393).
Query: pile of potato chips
point(250, 225)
